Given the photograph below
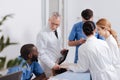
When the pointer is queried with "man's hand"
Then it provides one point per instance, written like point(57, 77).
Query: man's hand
point(64, 51)
point(81, 41)
point(56, 67)
point(76, 42)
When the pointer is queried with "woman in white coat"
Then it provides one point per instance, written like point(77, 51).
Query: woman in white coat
point(95, 56)
point(104, 29)
point(50, 46)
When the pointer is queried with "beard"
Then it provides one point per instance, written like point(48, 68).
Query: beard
point(34, 58)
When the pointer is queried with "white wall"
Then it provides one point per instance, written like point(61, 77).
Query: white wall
point(24, 25)
point(26, 21)
point(53, 6)
point(109, 9)
point(102, 8)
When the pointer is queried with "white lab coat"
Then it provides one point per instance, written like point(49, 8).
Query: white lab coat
point(94, 55)
point(114, 48)
point(116, 54)
point(49, 48)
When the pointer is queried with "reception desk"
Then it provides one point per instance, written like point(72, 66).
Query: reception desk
point(72, 76)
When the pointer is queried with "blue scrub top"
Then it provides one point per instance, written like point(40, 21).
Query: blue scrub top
point(76, 34)
point(27, 70)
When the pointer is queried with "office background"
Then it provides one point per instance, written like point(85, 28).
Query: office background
point(30, 16)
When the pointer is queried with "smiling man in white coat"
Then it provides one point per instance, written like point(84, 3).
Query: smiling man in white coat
point(95, 56)
point(49, 44)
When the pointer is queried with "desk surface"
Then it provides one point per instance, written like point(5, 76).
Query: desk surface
point(72, 76)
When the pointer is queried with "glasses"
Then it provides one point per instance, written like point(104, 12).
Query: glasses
point(55, 24)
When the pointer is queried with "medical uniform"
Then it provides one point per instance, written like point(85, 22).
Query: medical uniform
point(95, 55)
point(49, 47)
point(76, 34)
point(116, 54)
point(27, 69)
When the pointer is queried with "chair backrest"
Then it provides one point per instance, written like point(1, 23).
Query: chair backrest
point(13, 76)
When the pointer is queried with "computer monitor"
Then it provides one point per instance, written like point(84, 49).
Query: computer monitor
point(13, 76)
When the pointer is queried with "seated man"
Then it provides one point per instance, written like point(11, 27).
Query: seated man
point(29, 64)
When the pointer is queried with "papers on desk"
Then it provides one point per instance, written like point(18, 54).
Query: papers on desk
point(52, 78)
point(69, 75)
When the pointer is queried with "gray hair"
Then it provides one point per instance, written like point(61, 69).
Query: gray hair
point(55, 14)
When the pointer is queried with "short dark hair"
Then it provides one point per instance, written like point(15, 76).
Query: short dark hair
point(87, 14)
point(25, 50)
point(88, 27)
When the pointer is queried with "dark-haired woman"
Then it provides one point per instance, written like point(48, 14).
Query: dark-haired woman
point(95, 56)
